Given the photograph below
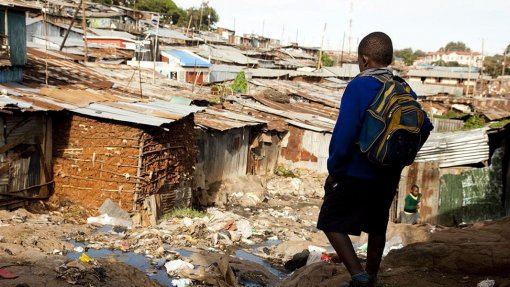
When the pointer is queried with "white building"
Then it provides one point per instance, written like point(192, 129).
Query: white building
point(185, 66)
point(473, 59)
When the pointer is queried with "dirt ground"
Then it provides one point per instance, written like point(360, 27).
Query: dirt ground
point(33, 246)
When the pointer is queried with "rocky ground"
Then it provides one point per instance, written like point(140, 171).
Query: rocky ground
point(246, 242)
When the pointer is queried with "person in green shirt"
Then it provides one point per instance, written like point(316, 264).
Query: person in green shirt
point(410, 215)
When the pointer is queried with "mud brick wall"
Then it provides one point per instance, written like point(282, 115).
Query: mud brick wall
point(95, 160)
point(168, 157)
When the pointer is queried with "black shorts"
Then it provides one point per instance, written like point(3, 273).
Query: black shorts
point(353, 205)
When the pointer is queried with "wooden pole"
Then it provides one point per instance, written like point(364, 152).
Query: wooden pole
point(84, 26)
point(319, 61)
point(70, 26)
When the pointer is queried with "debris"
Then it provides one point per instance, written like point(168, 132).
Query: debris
point(177, 265)
point(181, 282)
point(486, 283)
point(315, 254)
point(187, 221)
point(6, 274)
point(394, 243)
point(79, 249)
point(105, 219)
point(298, 260)
point(85, 258)
point(111, 214)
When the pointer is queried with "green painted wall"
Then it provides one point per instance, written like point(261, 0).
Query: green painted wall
point(473, 195)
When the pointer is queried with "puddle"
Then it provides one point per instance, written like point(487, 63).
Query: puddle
point(264, 263)
point(138, 261)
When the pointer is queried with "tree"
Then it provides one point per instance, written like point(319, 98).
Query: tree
point(455, 46)
point(209, 17)
point(326, 60)
point(493, 65)
point(407, 55)
point(167, 8)
point(240, 84)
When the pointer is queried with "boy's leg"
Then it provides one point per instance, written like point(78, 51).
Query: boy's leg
point(376, 243)
point(343, 247)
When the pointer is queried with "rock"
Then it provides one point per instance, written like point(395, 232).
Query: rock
point(297, 261)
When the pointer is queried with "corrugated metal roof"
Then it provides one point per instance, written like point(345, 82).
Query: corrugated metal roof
point(111, 33)
point(188, 59)
point(456, 148)
point(345, 71)
point(445, 74)
point(167, 33)
point(225, 54)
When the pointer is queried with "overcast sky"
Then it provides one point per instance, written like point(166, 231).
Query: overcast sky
point(426, 24)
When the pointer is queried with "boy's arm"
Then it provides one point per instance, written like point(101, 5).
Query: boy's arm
point(346, 131)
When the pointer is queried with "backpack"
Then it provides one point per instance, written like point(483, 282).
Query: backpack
point(391, 130)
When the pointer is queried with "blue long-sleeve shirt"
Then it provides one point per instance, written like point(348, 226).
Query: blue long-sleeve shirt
point(345, 157)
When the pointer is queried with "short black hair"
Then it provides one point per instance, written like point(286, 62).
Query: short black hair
point(415, 186)
point(378, 47)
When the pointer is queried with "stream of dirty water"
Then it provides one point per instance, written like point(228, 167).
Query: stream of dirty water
point(143, 263)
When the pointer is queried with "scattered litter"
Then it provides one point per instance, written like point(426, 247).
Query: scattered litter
point(79, 249)
point(177, 265)
point(187, 221)
point(111, 214)
point(181, 282)
point(394, 243)
point(85, 258)
point(315, 254)
point(486, 283)
point(105, 219)
point(6, 274)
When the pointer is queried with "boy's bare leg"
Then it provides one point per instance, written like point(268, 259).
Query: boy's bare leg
point(376, 242)
point(343, 247)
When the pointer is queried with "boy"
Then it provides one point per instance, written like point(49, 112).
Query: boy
point(410, 215)
point(358, 194)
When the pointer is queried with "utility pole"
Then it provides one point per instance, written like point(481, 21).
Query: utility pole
point(319, 61)
point(84, 26)
point(342, 55)
point(283, 35)
point(297, 34)
point(351, 7)
point(70, 25)
point(481, 74)
point(156, 46)
point(263, 27)
point(504, 62)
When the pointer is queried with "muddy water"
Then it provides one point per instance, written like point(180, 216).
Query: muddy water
point(138, 261)
point(143, 263)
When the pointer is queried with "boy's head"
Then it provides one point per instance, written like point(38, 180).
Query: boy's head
point(375, 51)
point(415, 190)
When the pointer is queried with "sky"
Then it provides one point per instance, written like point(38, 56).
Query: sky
point(426, 24)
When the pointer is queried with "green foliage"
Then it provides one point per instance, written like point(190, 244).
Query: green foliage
point(474, 122)
point(493, 65)
point(455, 46)
point(500, 124)
point(326, 60)
point(208, 15)
point(183, 212)
point(167, 8)
point(282, 171)
point(408, 55)
point(240, 84)
point(452, 115)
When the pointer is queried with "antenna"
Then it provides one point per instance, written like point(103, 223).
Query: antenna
point(351, 7)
